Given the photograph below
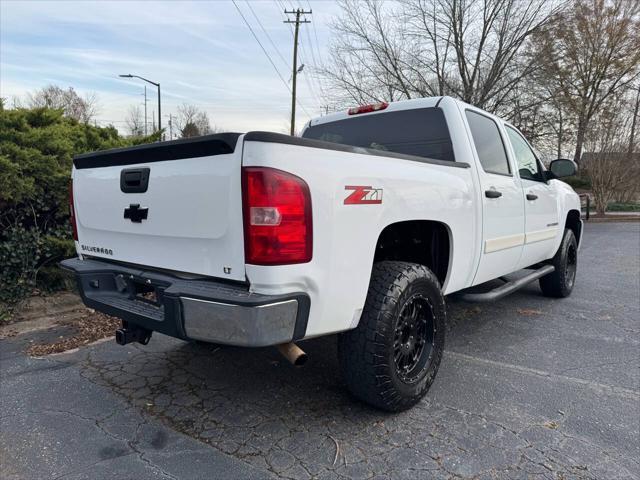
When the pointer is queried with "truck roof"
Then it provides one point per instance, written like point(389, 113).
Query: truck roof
point(393, 106)
point(413, 103)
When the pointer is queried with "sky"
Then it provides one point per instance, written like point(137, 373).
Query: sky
point(202, 53)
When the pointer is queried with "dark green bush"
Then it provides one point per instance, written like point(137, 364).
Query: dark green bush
point(579, 181)
point(19, 253)
point(36, 151)
point(623, 207)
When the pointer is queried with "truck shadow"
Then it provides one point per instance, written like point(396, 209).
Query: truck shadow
point(253, 404)
point(171, 375)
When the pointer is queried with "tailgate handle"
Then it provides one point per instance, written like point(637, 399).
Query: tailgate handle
point(134, 180)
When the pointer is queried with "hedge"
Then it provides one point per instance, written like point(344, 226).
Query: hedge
point(36, 151)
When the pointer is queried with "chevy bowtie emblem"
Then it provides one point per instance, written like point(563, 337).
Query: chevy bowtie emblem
point(135, 213)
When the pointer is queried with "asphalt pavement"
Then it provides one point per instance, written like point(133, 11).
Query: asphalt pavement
point(529, 387)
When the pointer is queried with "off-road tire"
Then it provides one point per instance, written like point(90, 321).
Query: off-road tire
point(368, 353)
point(560, 282)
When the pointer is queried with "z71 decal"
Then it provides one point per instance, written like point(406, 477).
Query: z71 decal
point(363, 195)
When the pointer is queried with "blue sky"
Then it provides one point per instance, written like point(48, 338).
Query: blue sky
point(201, 52)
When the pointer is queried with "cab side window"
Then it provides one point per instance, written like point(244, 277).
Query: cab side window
point(488, 142)
point(528, 165)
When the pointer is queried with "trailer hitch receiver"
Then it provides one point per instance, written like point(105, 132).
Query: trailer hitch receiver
point(129, 334)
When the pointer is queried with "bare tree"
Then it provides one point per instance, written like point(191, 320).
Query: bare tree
point(135, 121)
point(630, 191)
point(634, 122)
point(591, 52)
point(82, 109)
point(192, 122)
point(468, 49)
point(613, 170)
point(538, 111)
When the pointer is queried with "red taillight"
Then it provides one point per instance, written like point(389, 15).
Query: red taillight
point(72, 212)
point(277, 217)
point(374, 107)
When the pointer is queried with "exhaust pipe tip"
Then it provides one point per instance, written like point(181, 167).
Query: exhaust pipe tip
point(294, 354)
point(301, 360)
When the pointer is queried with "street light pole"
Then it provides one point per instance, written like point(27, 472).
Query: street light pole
point(159, 113)
point(152, 83)
point(145, 110)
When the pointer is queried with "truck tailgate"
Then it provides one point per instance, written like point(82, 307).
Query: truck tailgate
point(189, 219)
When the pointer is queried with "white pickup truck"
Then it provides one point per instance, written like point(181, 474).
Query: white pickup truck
point(360, 227)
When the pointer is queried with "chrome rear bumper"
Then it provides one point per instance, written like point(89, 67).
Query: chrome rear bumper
point(198, 309)
point(268, 324)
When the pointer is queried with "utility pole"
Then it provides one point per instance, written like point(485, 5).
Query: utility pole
point(170, 126)
point(145, 110)
point(297, 12)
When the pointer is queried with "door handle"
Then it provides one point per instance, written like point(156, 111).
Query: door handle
point(531, 196)
point(492, 194)
point(134, 180)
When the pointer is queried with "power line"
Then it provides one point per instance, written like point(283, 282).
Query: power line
point(315, 33)
point(311, 89)
point(304, 59)
point(267, 34)
point(260, 43)
point(313, 54)
point(309, 72)
point(319, 62)
point(265, 52)
point(281, 6)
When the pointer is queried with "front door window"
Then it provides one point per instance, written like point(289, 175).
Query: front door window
point(529, 167)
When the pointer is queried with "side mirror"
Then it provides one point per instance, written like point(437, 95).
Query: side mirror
point(562, 168)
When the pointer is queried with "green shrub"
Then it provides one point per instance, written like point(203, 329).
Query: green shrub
point(19, 253)
point(579, 181)
point(36, 152)
point(623, 207)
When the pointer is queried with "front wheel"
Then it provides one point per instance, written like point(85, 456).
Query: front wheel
point(391, 358)
point(559, 283)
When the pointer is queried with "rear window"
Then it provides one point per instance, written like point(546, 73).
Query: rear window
point(420, 132)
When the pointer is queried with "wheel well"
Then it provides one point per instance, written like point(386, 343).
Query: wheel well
point(418, 241)
point(574, 224)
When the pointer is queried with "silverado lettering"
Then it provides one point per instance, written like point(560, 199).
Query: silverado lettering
point(104, 251)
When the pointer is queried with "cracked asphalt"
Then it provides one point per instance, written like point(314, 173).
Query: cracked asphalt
point(529, 387)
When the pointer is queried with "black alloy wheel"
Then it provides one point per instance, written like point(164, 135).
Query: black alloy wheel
point(414, 338)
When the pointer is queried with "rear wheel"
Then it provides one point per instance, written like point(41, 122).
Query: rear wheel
point(559, 283)
point(392, 357)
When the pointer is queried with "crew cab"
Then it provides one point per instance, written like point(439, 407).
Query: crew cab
point(360, 227)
